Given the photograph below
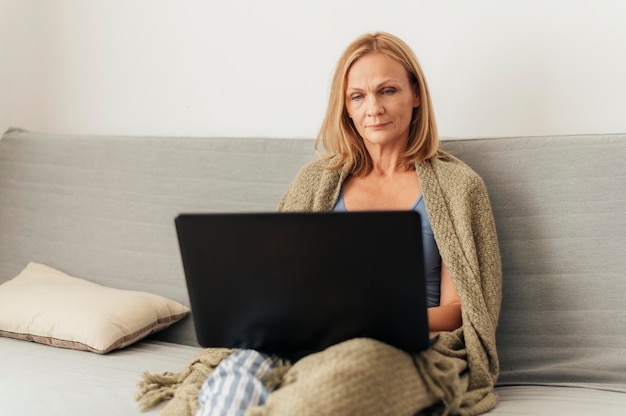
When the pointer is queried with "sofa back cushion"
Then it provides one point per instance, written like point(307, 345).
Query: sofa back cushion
point(559, 207)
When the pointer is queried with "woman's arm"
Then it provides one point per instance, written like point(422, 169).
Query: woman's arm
point(446, 316)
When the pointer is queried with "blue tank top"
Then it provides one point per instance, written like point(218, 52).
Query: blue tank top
point(432, 259)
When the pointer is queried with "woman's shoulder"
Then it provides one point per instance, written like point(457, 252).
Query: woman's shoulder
point(454, 175)
point(318, 170)
point(320, 164)
point(315, 187)
point(447, 164)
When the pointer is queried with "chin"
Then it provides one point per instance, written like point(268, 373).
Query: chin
point(381, 139)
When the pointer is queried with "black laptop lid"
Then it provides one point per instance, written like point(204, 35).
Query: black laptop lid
point(295, 283)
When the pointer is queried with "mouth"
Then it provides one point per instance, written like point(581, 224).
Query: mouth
point(378, 126)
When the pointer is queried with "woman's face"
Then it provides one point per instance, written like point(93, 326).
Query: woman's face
point(380, 99)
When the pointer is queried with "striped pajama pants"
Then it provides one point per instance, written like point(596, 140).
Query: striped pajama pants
point(235, 384)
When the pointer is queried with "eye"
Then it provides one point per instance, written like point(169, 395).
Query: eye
point(388, 91)
point(356, 97)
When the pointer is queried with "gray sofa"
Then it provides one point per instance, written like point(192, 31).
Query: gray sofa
point(102, 208)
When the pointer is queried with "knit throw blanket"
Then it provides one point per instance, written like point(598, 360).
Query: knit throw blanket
point(456, 375)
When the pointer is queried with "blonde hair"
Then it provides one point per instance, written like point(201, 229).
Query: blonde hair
point(338, 136)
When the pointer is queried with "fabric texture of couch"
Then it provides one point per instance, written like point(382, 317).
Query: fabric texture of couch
point(102, 208)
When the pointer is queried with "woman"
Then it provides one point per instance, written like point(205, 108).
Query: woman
point(378, 150)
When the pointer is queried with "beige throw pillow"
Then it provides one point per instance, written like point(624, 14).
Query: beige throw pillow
point(47, 306)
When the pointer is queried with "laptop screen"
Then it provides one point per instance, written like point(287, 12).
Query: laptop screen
point(295, 283)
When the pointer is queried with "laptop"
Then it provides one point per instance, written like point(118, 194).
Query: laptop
point(292, 284)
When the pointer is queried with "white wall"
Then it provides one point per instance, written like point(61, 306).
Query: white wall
point(262, 68)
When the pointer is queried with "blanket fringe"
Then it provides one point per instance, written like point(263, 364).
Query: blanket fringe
point(182, 387)
point(274, 378)
point(156, 388)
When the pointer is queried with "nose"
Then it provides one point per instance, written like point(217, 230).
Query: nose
point(374, 106)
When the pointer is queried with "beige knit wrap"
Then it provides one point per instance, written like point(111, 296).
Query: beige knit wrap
point(456, 375)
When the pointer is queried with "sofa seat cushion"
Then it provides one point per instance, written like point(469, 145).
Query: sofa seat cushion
point(550, 400)
point(38, 380)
